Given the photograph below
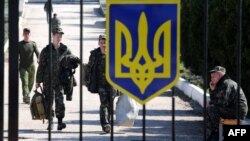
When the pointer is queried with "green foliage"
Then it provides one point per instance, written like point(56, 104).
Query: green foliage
point(192, 78)
point(222, 37)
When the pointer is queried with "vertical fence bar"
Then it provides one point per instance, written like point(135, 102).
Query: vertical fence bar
point(239, 30)
point(144, 122)
point(189, 26)
point(50, 73)
point(81, 58)
point(205, 45)
point(1, 68)
point(112, 117)
point(13, 70)
point(173, 114)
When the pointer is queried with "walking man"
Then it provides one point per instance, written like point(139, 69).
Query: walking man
point(26, 49)
point(55, 22)
point(58, 51)
point(95, 72)
point(48, 9)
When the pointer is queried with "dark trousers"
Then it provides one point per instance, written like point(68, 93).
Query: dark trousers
point(56, 95)
point(213, 119)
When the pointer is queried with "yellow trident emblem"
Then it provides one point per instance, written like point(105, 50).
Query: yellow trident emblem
point(143, 74)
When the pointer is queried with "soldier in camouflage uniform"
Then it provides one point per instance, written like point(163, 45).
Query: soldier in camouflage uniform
point(106, 92)
point(55, 22)
point(26, 49)
point(223, 100)
point(48, 8)
point(58, 50)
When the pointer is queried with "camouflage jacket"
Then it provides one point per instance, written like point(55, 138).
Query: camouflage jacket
point(224, 97)
point(96, 65)
point(55, 23)
point(42, 75)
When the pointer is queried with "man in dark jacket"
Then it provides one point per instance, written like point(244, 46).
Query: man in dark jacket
point(58, 51)
point(26, 50)
point(96, 75)
point(223, 104)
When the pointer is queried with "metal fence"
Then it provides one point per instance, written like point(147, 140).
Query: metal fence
point(13, 7)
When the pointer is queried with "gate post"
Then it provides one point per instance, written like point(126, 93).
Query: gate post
point(1, 67)
point(13, 70)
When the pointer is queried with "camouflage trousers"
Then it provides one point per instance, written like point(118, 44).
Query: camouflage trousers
point(57, 95)
point(106, 99)
point(27, 78)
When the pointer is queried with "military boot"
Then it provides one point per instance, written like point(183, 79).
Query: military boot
point(51, 127)
point(26, 100)
point(107, 128)
point(60, 125)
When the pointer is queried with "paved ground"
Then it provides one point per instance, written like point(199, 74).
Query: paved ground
point(158, 116)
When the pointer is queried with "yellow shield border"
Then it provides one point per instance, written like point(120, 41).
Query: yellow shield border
point(173, 83)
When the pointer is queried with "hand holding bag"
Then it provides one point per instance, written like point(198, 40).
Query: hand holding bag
point(126, 111)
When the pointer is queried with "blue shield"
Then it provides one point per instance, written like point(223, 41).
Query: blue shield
point(143, 48)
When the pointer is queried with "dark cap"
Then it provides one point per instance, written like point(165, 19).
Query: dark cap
point(26, 30)
point(218, 68)
point(102, 36)
point(58, 31)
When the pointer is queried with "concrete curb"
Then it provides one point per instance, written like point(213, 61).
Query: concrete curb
point(192, 91)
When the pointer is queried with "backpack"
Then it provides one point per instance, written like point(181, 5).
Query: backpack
point(38, 106)
point(92, 86)
point(92, 78)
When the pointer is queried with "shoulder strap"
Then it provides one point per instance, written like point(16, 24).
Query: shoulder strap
point(42, 91)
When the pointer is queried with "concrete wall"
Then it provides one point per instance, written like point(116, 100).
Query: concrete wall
point(192, 91)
